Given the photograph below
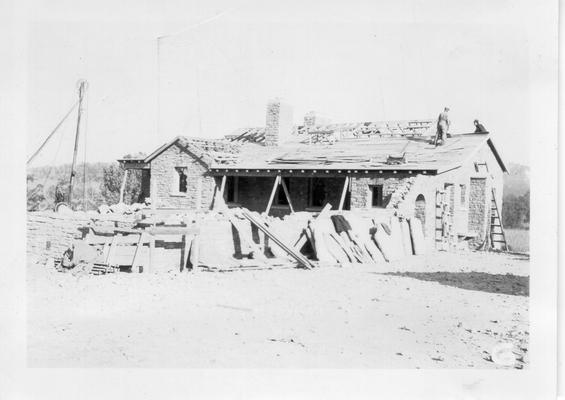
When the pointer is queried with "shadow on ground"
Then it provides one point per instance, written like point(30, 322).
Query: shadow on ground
point(491, 283)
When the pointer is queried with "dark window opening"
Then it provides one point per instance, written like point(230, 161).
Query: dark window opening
point(317, 192)
point(281, 199)
point(377, 198)
point(231, 189)
point(183, 178)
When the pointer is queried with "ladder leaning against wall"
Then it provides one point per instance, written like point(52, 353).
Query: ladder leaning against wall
point(496, 231)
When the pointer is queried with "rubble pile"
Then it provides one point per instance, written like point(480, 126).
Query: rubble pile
point(50, 233)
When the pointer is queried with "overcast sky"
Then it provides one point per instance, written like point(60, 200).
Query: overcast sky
point(217, 64)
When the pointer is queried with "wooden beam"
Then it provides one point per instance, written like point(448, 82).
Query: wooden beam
point(273, 192)
point(286, 193)
point(258, 222)
point(343, 193)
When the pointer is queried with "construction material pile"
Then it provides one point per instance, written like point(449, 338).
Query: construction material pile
point(238, 239)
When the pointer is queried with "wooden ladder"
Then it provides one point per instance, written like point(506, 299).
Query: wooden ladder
point(496, 229)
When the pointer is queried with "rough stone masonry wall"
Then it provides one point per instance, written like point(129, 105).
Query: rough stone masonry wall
point(278, 123)
point(272, 124)
point(164, 183)
point(477, 205)
point(49, 233)
point(361, 189)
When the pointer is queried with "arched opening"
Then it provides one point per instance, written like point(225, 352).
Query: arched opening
point(420, 210)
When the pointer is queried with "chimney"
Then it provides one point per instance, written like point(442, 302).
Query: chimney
point(310, 119)
point(278, 126)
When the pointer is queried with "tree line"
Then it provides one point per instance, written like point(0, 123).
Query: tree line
point(102, 186)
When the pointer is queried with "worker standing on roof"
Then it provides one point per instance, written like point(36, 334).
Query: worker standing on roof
point(442, 126)
point(479, 128)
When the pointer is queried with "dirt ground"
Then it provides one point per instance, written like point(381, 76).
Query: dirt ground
point(330, 317)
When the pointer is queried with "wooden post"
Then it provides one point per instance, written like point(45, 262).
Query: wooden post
point(287, 194)
point(273, 192)
point(223, 185)
point(219, 194)
point(134, 261)
point(343, 193)
point(123, 187)
point(81, 90)
point(112, 251)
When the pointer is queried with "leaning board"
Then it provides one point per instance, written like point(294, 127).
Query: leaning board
point(417, 235)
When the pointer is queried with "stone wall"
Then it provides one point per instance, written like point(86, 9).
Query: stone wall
point(49, 233)
point(164, 181)
point(361, 189)
point(477, 205)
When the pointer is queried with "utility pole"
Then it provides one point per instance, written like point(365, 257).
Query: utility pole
point(81, 90)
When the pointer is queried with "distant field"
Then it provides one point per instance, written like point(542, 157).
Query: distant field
point(518, 240)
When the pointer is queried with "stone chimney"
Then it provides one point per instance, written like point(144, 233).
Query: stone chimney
point(278, 126)
point(313, 118)
point(310, 119)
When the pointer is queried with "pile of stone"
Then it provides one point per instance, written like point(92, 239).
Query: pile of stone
point(121, 208)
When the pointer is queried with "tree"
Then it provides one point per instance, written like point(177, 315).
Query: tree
point(516, 210)
point(35, 196)
point(112, 182)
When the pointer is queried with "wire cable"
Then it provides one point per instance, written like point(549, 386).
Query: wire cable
point(52, 133)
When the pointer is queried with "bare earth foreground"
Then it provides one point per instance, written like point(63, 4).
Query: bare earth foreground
point(351, 317)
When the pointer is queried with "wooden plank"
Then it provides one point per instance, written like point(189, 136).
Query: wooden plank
point(194, 251)
point(273, 192)
point(302, 239)
point(164, 230)
point(186, 252)
point(286, 194)
point(261, 225)
point(247, 238)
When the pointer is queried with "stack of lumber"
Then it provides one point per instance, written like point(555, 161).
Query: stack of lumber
point(350, 238)
point(325, 159)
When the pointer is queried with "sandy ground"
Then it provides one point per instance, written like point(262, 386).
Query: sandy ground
point(351, 317)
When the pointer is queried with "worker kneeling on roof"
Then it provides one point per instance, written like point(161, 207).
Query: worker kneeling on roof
point(479, 128)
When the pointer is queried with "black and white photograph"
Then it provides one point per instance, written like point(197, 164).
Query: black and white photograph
point(348, 191)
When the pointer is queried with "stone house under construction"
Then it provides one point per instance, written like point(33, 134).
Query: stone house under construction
point(379, 166)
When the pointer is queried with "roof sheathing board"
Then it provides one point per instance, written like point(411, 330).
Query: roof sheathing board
point(358, 154)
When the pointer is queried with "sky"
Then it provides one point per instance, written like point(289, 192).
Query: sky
point(156, 70)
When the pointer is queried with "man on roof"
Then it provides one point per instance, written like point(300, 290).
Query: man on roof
point(479, 128)
point(443, 124)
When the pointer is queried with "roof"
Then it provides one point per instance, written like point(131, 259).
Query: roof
point(365, 154)
point(343, 130)
point(209, 151)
